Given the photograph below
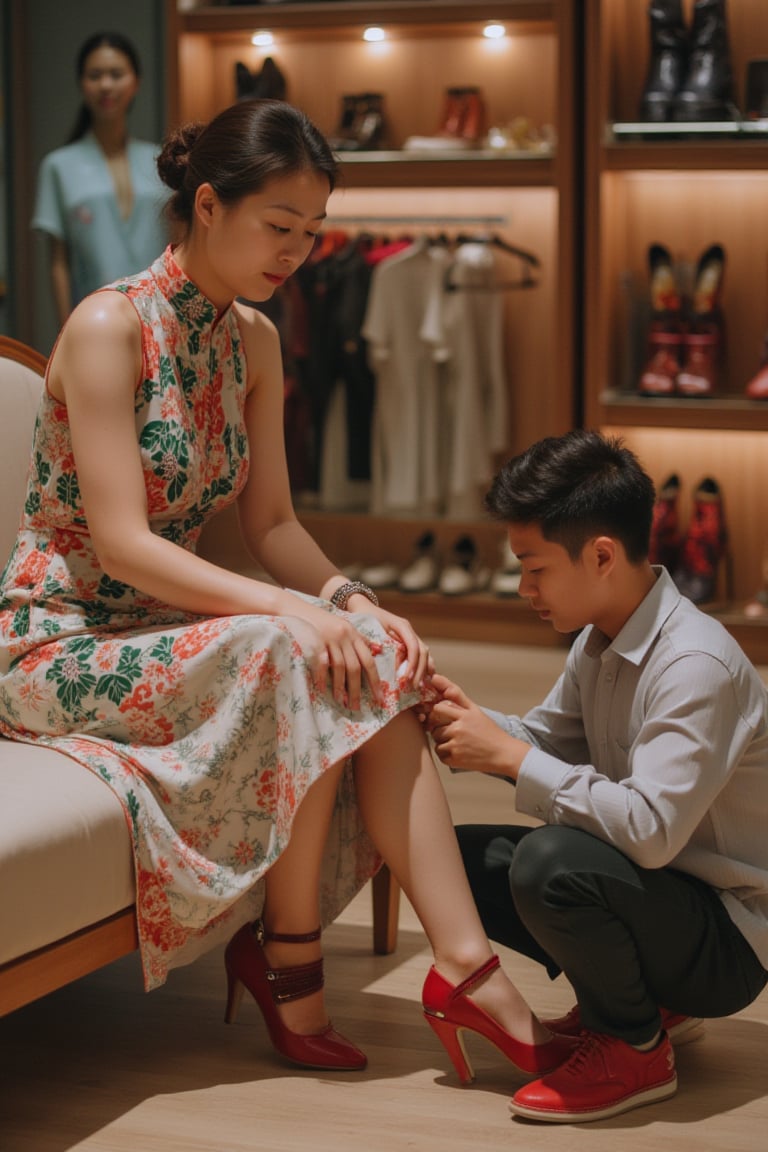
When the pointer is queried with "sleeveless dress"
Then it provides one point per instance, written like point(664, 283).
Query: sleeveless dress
point(209, 730)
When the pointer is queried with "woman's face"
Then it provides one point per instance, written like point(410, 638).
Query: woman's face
point(108, 84)
point(253, 246)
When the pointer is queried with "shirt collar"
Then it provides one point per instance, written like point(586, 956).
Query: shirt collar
point(642, 628)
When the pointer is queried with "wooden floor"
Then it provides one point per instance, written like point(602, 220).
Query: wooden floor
point(102, 1067)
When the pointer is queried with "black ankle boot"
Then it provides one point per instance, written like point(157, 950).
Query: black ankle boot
point(708, 91)
point(669, 58)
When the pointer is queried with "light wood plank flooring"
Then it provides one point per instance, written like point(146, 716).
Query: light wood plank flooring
point(101, 1067)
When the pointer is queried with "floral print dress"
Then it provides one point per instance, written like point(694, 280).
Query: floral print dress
point(208, 730)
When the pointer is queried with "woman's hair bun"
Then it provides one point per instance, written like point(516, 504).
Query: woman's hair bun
point(174, 156)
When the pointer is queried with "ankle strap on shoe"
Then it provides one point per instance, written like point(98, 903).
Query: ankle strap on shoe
point(484, 970)
point(285, 937)
point(296, 982)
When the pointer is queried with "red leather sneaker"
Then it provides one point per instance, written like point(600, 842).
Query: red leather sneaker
point(680, 1029)
point(604, 1077)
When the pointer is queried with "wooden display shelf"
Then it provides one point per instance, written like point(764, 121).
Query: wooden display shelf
point(722, 155)
point(482, 617)
point(420, 170)
point(732, 413)
point(348, 14)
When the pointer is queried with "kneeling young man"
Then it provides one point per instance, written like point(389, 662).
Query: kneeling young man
point(647, 763)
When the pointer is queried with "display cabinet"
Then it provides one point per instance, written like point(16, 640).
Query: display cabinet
point(685, 187)
point(526, 195)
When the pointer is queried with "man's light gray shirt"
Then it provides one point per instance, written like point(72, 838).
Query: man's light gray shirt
point(657, 743)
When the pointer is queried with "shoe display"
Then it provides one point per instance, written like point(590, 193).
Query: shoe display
point(703, 545)
point(680, 1029)
point(668, 60)
point(756, 90)
point(665, 331)
point(758, 605)
point(703, 342)
point(384, 575)
point(665, 527)
point(268, 84)
point(707, 93)
point(463, 116)
point(450, 1012)
point(665, 351)
point(345, 128)
point(423, 572)
point(246, 966)
point(464, 572)
point(757, 389)
point(505, 581)
point(361, 126)
point(603, 1077)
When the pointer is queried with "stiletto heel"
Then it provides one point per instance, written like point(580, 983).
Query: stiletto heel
point(452, 1039)
point(449, 1010)
point(246, 966)
point(235, 989)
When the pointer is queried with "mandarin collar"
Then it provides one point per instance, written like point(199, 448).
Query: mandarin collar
point(186, 299)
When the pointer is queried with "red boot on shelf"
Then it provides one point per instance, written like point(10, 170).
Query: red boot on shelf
point(700, 373)
point(757, 389)
point(705, 337)
point(704, 545)
point(659, 376)
point(665, 332)
point(665, 528)
point(758, 605)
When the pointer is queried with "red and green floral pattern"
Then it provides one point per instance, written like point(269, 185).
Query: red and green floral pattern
point(209, 730)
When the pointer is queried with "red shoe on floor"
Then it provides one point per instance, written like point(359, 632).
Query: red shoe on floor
point(680, 1029)
point(450, 1013)
point(604, 1077)
point(246, 965)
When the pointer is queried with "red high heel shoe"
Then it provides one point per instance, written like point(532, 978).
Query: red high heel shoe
point(449, 1010)
point(246, 966)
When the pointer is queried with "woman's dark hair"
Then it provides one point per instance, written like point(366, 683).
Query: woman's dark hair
point(114, 40)
point(239, 151)
point(575, 487)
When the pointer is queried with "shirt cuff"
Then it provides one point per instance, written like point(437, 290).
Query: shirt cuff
point(539, 781)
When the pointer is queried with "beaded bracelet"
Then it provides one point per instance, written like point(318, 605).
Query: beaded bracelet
point(341, 596)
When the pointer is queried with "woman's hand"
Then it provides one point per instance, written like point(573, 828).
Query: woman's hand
point(336, 652)
point(419, 663)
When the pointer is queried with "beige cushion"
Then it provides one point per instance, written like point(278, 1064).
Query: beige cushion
point(65, 851)
point(20, 390)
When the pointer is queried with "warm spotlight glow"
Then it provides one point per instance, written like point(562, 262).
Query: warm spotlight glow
point(262, 39)
point(494, 31)
point(374, 35)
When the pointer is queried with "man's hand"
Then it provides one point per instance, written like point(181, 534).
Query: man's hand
point(466, 737)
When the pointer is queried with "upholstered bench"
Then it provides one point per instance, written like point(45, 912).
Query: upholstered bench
point(66, 870)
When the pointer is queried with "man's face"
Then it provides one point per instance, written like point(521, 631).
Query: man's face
point(561, 590)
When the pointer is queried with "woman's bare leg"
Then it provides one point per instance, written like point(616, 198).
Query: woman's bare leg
point(406, 812)
point(292, 901)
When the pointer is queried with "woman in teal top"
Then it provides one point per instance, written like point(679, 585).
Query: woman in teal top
point(99, 197)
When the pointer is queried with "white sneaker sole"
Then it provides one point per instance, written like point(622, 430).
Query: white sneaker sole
point(636, 1100)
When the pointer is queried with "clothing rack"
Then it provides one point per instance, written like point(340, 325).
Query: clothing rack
point(421, 221)
point(529, 261)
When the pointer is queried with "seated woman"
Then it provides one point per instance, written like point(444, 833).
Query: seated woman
point(260, 736)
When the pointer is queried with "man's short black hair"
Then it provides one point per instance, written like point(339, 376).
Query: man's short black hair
point(576, 487)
